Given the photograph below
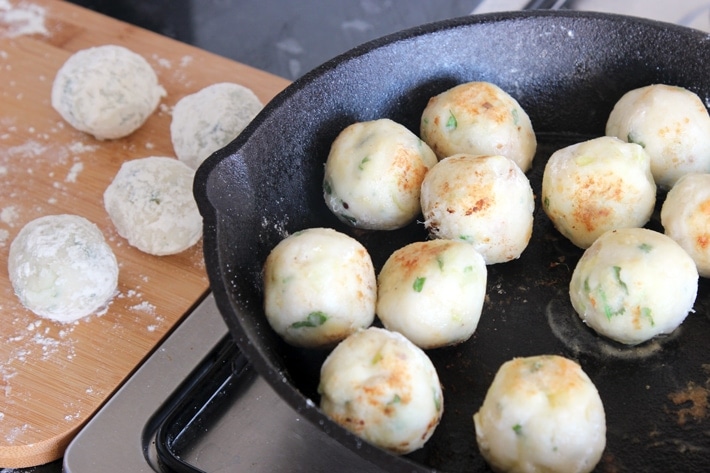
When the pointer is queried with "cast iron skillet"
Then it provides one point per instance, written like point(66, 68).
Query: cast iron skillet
point(567, 69)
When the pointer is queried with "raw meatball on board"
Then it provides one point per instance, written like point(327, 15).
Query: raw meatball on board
point(107, 91)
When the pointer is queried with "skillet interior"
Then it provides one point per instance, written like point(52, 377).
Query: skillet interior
point(567, 69)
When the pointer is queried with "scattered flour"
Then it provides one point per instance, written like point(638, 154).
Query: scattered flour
point(29, 149)
point(74, 172)
point(186, 61)
point(144, 306)
point(23, 18)
point(9, 215)
point(78, 147)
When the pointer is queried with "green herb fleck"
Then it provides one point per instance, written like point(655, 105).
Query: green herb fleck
point(546, 202)
point(646, 313)
point(314, 319)
point(468, 269)
point(645, 247)
point(608, 311)
point(516, 117)
point(364, 161)
point(418, 284)
point(377, 358)
point(518, 429)
point(451, 123)
point(155, 198)
point(440, 262)
point(327, 188)
point(466, 238)
point(437, 400)
point(395, 400)
point(617, 276)
point(348, 218)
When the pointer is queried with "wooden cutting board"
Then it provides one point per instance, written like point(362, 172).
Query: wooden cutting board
point(53, 377)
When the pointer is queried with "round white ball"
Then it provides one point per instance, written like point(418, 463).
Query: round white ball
point(373, 175)
point(685, 217)
point(210, 119)
point(486, 201)
point(633, 284)
point(383, 388)
point(151, 204)
point(671, 123)
point(598, 185)
point(107, 91)
point(319, 287)
point(61, 267)
point(478, 118)
point(432, 292)
point(541, 413)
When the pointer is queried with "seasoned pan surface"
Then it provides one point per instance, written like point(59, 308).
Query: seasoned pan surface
point(567, 69)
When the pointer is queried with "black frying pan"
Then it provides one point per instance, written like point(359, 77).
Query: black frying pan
point(567, 69)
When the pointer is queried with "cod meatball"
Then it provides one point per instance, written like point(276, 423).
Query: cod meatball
point(374, 173)
point(685, 217)
point(598, 185)
point(432, 292)
point(541, 413)
point(486, 201)
point(478, 118)
point(319, 287)
point(633, 284)
point(383, 388)
point(671, 123)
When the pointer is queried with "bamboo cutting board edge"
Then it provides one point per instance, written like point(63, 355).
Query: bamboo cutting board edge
point(53, 377)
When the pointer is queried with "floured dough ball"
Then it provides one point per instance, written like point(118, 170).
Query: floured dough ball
point(61, 267)
point(671, 123)
point(633, 284)
point(107, 91)
point(685, 217)
point(151, 204)
point(432, 292)
point(319, 287)
point(541, 413)
point(373, 175)
point(383, 388)
point(486, 201)
point(598, 185)
point(478, 118)
point(209, 119)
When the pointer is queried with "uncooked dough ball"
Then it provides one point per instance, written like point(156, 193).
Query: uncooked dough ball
point(373, 175)
point(671, 123)
point(633, 284)
point(685, 217)
point(541, 413)
point(107, 91)
point(598, 185)
point(209, 119)
point(61, 267)
point(151, 204)
point(383, 388)
point(486, 201)
point(319, 287)
point(432, 292)
point(478, 118)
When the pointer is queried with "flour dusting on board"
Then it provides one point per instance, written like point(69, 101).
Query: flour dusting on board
point(21, 19)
